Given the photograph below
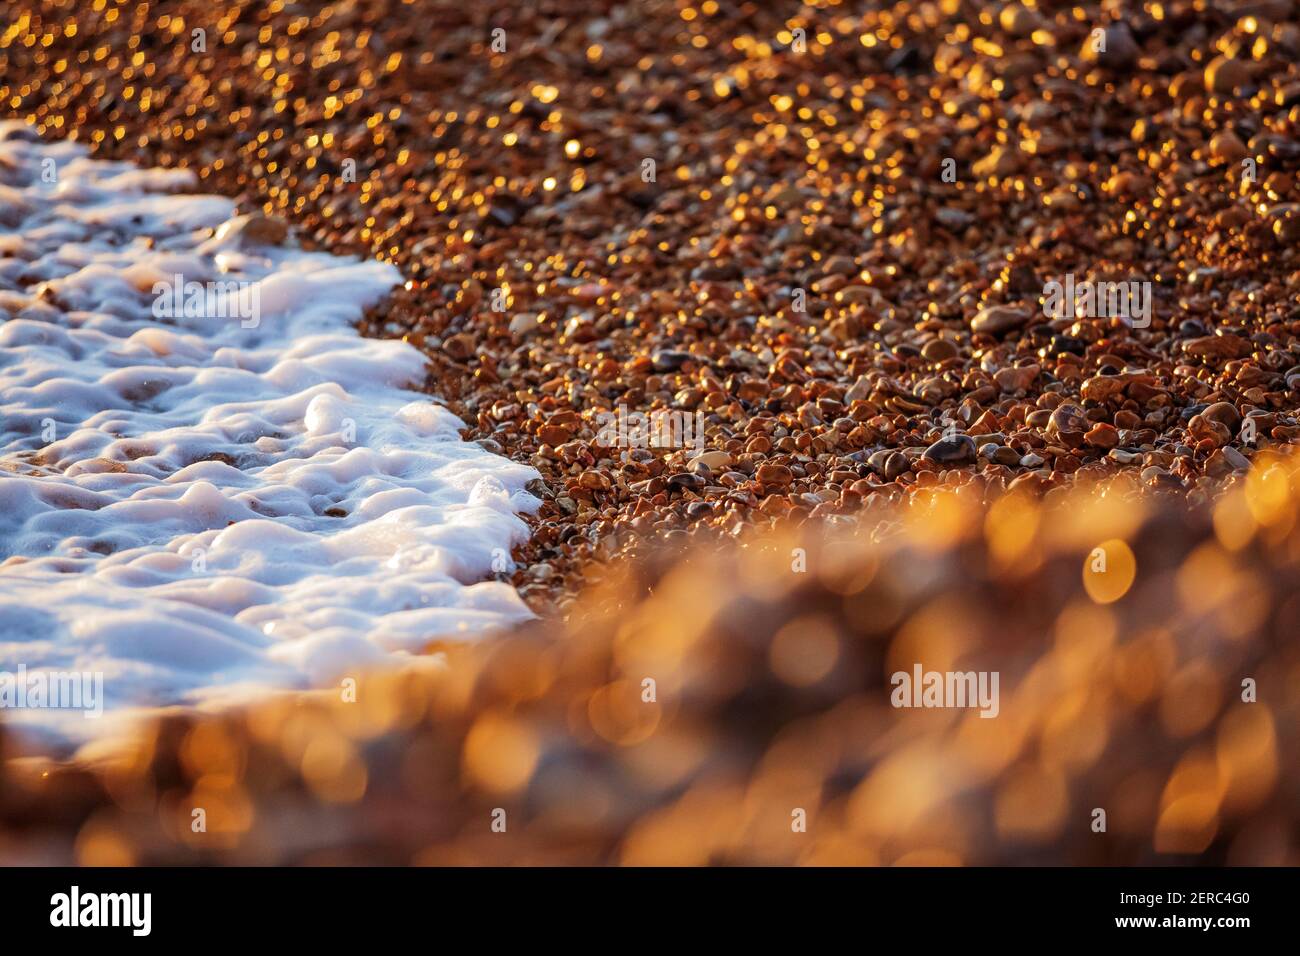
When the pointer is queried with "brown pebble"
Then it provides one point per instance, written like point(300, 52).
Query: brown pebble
point(553, 434)
point(1226, 147)
point(774, 474)
point(1017, 378)
point(459, 347)
point(995, 319)
point(1205, 429)
point(1102, 435)
point(1225, 75)
point(1068, 419)
point(1125, 419)
point(938, 350)
point(1225, 413)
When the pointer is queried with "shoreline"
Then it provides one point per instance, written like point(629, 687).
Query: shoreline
point(478, 172)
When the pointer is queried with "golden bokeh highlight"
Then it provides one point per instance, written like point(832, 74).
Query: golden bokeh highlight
point(623, 712)
point(1109, 570)
point(500, 753)
point(805, 651)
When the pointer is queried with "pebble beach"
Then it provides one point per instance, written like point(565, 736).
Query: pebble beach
point(818, 173)
point(863, 259)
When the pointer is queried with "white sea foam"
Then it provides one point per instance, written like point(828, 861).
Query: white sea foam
point(196, 507)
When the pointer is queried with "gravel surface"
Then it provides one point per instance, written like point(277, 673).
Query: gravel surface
point(832, 232)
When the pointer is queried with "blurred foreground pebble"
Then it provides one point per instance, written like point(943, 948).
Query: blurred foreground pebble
point(733, 706)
